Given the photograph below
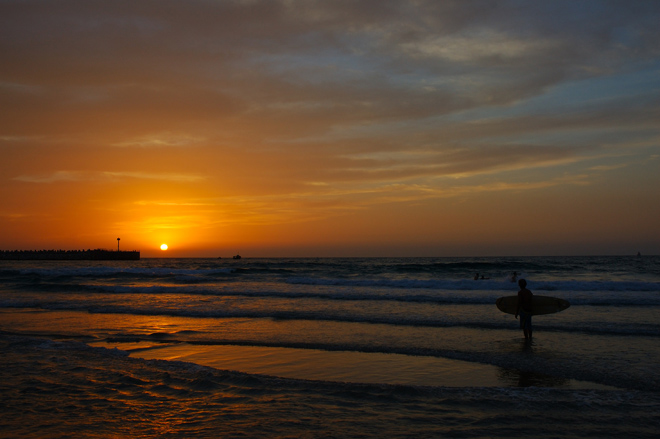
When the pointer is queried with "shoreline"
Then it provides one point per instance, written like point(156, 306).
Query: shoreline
point(347, 366)
point(70, 389)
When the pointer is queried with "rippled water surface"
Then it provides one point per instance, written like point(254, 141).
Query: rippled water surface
point(88, 333)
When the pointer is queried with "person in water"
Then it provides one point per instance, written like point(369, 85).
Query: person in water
point(524, 308)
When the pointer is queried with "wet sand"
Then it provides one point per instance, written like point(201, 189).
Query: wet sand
point(69, 389)
point(343, 366)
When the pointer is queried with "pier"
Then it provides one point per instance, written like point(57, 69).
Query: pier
point(69, 255)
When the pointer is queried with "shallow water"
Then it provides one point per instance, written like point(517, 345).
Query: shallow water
point(349, 366)
point(417, 344)
point(70, 390)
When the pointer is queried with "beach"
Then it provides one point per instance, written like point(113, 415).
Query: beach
point(327, 348)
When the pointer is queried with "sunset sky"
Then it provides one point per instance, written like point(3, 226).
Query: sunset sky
point(331, 128)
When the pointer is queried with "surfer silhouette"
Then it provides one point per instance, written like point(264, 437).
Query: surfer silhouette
point(524, 308)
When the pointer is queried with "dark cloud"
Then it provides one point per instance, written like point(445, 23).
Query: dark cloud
point(258, 71)
point(84, 40)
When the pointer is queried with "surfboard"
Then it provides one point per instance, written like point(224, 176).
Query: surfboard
point(540, 304)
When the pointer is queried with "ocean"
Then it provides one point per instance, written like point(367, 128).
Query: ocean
point(327, 347)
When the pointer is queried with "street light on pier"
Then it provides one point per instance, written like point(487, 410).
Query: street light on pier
point(117, 244)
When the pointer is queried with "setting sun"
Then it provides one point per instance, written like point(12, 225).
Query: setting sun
point(163, 247)
point(349, 159)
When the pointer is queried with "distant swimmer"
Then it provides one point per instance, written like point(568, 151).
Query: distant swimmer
point(514, 277)
point(476, 276)
point(524, 308)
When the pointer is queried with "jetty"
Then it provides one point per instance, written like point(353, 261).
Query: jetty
point(69, 255)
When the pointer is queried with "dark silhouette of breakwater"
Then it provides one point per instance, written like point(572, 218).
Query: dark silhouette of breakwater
point(69, 255)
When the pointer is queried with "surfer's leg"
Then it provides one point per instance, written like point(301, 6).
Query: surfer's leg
point(528, 324)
